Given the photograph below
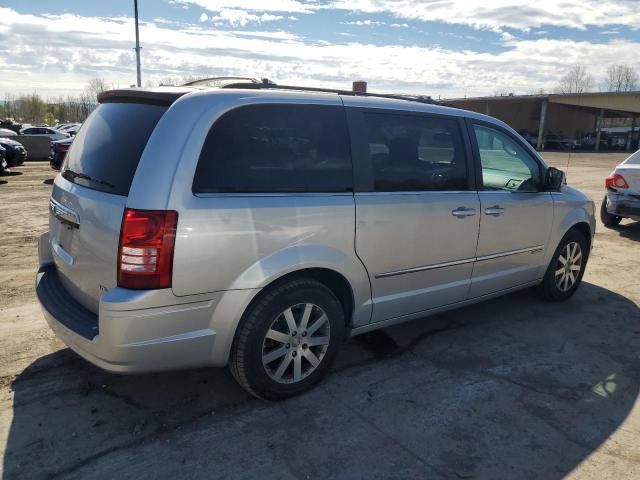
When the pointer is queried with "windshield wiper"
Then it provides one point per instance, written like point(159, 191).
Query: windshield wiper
point(71, 175)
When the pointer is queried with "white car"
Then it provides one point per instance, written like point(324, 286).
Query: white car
point(52, 133)
point(623, 193)
point(5, 132)
point(69, 126)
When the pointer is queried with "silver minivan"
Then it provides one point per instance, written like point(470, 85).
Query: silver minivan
point(259, 226)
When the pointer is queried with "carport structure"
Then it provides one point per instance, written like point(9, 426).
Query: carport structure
point(576, 115)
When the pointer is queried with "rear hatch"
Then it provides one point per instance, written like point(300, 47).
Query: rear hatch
point(89, 196)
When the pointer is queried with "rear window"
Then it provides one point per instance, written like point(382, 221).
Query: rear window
point(633, 159)
point(105, 153)
point(276, 148)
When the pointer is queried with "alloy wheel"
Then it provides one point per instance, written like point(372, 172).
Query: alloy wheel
point(568, 266)
point(296, 343)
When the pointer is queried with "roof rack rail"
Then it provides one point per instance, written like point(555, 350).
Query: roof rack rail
point(267, 84)
point(205, 82)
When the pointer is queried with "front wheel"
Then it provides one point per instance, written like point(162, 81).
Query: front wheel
point(566, 269)
point(288, 339)
point(608, 219)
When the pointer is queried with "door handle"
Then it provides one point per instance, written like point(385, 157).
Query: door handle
point(494, 211)
point(462, 212)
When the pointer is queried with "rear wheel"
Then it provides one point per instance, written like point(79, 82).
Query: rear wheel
point(608, 220)
point(566, 269)
point(288, 339)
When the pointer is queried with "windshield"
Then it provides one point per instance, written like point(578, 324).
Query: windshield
point(105, 153)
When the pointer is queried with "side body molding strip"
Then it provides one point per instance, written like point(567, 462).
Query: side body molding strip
point(435, 266)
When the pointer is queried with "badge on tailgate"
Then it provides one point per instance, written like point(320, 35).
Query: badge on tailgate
point(64, 214)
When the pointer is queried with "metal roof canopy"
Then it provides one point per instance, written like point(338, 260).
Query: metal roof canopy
point(621, 104)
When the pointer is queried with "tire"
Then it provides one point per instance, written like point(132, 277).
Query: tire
point(258, 361)
point(558, 286)
point(608, 220)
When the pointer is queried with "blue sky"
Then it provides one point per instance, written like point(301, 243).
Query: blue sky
point(442, 48)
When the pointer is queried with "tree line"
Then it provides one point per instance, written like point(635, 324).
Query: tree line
point(578, 79)
point(34, 109)
point(618, 78)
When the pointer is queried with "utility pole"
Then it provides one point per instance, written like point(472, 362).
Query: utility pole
point(137, 49)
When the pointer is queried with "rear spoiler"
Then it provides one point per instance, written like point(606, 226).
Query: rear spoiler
point(155, 96)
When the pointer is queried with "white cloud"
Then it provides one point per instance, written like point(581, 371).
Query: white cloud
point(56, 54)
point(498, 14)
point(361, 23)
point(204, 17)
point(486, 14)
point(292, 6)
point(241, 18)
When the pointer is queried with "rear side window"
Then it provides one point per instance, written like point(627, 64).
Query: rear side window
point(276, 148)
point(414, 153)
point(105, 153)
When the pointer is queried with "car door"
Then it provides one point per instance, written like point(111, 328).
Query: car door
point(416, 209)
point(515, 213)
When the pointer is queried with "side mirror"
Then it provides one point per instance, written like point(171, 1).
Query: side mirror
point(554, 179)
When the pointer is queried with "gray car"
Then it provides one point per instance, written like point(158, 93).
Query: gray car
point(622, 199)
point(259, 227)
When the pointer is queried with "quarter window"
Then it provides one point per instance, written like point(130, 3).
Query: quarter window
point(414, 153)
point(276, 148)
point(505, 164)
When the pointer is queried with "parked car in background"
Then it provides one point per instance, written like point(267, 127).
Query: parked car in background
point(276, 223)
point(10, 125)
point(3, 162)
point(59, 150)
point(622, 199)
point(5, 132)
point(530, 137)
point(16, 153)
point(554, 141)
point(52, 133)
point(73, 131)
point(69, 126)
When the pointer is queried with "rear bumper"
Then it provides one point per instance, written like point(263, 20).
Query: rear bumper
point(623, 205)
point(124, 339)
point(137, 331)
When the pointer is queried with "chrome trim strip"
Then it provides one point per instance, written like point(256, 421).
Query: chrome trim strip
point(64, 214)
point(425, 268)
point(435, 266)
point(61, 252)
point(535, 249)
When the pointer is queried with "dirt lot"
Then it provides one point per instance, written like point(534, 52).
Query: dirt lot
point(513, 388)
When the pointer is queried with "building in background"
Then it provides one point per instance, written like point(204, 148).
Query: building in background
point(586, 121)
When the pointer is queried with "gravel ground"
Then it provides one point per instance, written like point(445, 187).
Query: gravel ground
point(512, 388)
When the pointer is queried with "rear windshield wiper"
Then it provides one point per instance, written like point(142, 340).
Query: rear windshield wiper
point(71, 175)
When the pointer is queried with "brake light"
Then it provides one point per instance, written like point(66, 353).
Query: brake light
point(145, 251)
point(616, 181)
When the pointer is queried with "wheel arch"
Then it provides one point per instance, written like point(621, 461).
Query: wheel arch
point(332, 279)
point(585, 229)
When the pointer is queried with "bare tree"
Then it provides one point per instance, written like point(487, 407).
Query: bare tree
point(95, 87)
point(576, 80)
point(622, 78)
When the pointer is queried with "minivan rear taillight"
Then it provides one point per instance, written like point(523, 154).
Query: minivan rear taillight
point(145, 252)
